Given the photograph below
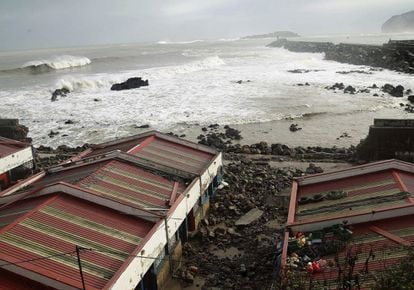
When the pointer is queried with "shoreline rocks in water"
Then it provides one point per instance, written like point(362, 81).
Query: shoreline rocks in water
point(397, 91)
point(59, 93)
point(131, 83)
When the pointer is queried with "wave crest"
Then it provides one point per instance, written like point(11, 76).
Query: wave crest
point(180, 42)
point(56, 63)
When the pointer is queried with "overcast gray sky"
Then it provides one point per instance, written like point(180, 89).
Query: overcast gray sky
point(62, 23)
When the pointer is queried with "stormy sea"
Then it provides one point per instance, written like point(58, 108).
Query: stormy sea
point(238, 82)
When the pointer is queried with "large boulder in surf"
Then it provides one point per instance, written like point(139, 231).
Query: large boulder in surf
point(59, 93)
point(397, 91)
point(131, 83)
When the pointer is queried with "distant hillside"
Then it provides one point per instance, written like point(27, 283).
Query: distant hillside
point(400, 23)
point(275, 34)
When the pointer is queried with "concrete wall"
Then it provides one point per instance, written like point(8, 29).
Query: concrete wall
point(387, 142)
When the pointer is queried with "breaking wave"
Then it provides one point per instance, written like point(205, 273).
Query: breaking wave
point(157, 73)
point(56, 63)
point(180, 42)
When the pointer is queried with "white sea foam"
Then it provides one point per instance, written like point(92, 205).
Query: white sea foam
point(99, 81)
point(59, 62)
point(199, 91)
point(229, 39)
point(180, 42)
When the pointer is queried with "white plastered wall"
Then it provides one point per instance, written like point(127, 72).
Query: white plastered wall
point(16, 159)
point(137, 268)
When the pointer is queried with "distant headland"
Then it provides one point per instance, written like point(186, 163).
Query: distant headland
point(400, 23)
point(276, 34)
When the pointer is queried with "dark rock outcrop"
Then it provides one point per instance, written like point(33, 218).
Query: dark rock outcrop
point(294, 127)
point(399, 23)
point(10, 128)
point(131, 83)
point(394, 55)
point(349, 90)
point(397, 91)
point(59, 93)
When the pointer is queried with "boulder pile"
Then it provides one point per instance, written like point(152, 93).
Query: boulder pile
point(235, 246)
point(224, 141)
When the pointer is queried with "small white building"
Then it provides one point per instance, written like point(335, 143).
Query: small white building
point(13, 154)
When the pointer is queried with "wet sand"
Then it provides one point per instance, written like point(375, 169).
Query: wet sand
point(321, 130)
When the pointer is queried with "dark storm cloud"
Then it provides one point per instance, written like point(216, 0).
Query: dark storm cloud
point(51, 23)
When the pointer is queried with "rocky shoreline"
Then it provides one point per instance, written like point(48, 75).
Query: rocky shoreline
point(394, 55)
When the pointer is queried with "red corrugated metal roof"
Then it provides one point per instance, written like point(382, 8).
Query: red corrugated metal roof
point(69, 175)
point(62, 222)
point(364, 193)
point(122, 145)
point(407, 179)
point(10, 214)
point(175, 155)
point(129, 184)
point(160, 148)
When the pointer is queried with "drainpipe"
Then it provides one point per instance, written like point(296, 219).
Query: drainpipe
point(168, 245)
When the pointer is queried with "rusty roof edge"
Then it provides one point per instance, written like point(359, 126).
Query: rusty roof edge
point(22, 184)
point(111, 142)
point(117, 154)
point(390, 236)
point(356, 170)
point(347, 216)
point(292, 203)
point(82, 162)
point(149, 164)
point(14, 142)
point(186, 143)
point(78, 156)
point(124, 139)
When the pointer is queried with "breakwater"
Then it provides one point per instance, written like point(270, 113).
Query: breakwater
point(394, 55)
